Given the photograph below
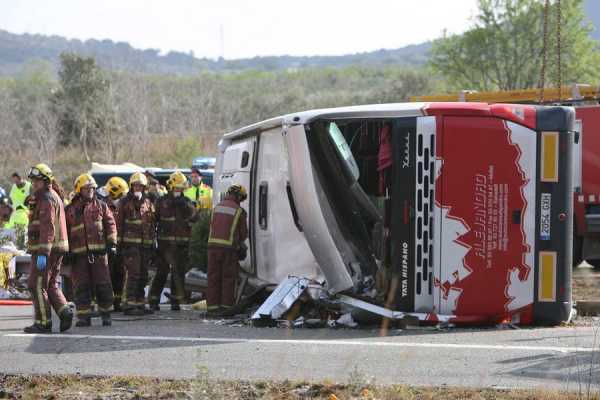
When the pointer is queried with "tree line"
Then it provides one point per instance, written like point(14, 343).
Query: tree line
point(86, 113)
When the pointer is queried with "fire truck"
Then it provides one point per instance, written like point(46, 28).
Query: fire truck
point(586, 169)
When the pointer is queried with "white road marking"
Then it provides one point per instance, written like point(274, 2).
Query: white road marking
point(357, 342)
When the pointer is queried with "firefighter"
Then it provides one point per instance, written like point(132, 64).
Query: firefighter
point(92, 235)
point(116, 188)
point(136, 231)
point(228, 232)
point(199, 193)
point(174, 213)
point(47, 242)
point(155, 190)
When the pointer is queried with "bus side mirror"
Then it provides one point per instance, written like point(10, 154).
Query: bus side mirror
point(576, 137)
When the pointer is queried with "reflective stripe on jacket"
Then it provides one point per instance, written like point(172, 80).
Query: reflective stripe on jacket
point(136, 221)
point(91, 226)
point(47, 231)
point(18, 195)
point(174, 216)
point(201, 196)
point(228, 226)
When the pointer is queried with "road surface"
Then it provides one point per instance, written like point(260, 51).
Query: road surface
point(178, 345)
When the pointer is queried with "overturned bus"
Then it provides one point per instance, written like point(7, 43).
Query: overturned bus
point(457, 212)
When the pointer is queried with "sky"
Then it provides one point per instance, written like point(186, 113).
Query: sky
point(243, 28)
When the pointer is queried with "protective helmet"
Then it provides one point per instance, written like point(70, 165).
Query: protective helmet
point(84, 180)
point(41, 171)
point(116, 187)
point(238, 191)
point(177, 180)
point(139, 178)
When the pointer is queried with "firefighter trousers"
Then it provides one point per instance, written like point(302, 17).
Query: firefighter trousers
point(117, 276)
point(92, 277)
point(45, 289)
point(136, 260)
point(223, 269)
point(173, 259)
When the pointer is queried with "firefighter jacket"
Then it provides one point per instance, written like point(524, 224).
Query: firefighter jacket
point(136, 221)
point(47, 231)
point(200, 195)
point(91, 226)
point(174, 216)
point(113, 205)
point(228, 226)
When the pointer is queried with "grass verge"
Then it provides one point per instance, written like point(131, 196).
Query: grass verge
point(80, 387)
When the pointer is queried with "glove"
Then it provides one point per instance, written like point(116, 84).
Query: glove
point(111, 249)
point(41, 263)
point(242, 252)
point(68, 259)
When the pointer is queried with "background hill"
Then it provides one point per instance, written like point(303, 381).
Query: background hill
point(18, 50)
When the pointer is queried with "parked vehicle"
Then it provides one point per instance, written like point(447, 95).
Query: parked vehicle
point(103, 172)
point(459, 212)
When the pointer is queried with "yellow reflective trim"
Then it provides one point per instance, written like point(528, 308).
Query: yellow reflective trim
point(133, 221)
point(61, 243)
point(79, 250)
point(35, 222)
point(40, 246)
point(168, 219)
point(547, 278)
point(549, 157)
point(167, 238)
point(229, 242)
point(77, 228)
point(40, 294)
point(132, 240)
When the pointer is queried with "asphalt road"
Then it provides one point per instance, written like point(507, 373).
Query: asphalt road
point(178, 345)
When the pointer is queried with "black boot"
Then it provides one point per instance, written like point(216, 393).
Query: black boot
point(106, 319)
point(66, 318)
point(83, 322)
point(154, 307)
point(147, 310)
point(38, 328)
point(133, 311)
point(117, 304)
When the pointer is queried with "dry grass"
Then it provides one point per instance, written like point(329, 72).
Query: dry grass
point(77, 387)
point(169, 151)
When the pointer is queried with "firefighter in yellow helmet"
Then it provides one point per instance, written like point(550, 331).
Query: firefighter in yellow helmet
point(226, 247)
point(136, 230)
point(92, 236)
point(47, 243)
point(174, 215)
point(115, 189)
